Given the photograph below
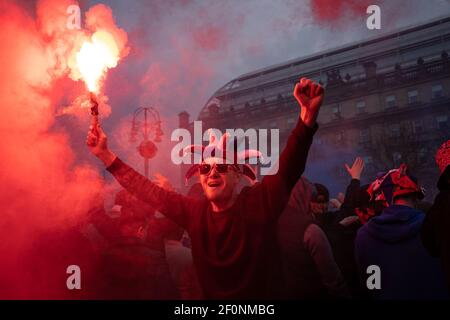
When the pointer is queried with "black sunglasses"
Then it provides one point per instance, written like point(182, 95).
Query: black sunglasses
point(221, 168)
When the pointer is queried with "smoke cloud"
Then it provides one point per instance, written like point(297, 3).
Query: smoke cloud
point(43, 188)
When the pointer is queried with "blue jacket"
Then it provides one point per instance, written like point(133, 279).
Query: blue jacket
point(392, 242)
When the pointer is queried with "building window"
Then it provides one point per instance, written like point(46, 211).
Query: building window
point(318, 141)
point(442, 122)
point(413, 96)
point(360, 107)
point(368, 162)
point(417, 126)
point(291, 121)
point(397, 158)
point(436, 91)
point(340, 137)
point(337, 111)
point(394, 130)
point(390, 101)
point(364, 135)
point(422, 155)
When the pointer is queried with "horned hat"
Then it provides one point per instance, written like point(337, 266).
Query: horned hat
point(230, 150)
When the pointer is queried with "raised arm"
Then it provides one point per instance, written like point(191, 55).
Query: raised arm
point(173, 205)
point(352, 193)
point(292, 160)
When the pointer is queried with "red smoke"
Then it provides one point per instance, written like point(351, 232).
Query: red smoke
point(209, 37)
point(42, 189)
point(328, 11)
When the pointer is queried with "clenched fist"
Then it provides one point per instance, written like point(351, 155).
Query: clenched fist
point(309, 95)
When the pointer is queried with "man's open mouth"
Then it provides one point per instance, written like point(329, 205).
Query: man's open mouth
point(214, 184)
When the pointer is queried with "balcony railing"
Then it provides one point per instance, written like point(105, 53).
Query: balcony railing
point(399, 77)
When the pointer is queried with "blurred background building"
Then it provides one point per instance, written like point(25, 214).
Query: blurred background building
point(387, 100)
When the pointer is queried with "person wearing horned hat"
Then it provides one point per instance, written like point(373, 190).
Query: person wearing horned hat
point(233, 235)
point(391, 242)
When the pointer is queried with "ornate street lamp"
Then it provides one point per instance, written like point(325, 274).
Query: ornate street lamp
point(151, 132)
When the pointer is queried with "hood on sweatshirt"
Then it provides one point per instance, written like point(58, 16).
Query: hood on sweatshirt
point(395, 224)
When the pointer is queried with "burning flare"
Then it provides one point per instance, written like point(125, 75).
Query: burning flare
point(96, 57)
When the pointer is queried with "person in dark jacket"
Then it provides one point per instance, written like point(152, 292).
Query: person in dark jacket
point(233, 234)
point(341, 226)
point(345, 228)
point(435, 231)
point(391, 241)
point(134, 264)
point(319, 206)
point(309, 268)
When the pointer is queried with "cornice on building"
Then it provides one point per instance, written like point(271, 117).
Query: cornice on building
point(387, 47)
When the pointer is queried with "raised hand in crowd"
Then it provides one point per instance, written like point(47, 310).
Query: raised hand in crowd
point(356, 169)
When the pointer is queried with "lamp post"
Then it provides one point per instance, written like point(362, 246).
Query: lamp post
point(151, 132)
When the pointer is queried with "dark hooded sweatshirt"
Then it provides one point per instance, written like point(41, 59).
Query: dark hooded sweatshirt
point(392, 242)
point(436, 228)
point(233, 249)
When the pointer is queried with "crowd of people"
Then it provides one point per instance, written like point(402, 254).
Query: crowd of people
point(281, 238)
